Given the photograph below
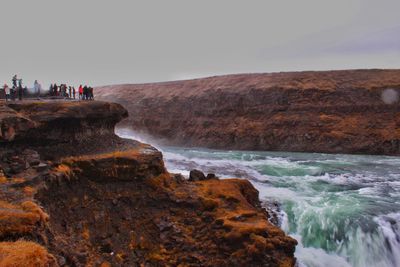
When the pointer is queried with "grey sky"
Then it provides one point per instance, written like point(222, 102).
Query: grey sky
point(115, 41)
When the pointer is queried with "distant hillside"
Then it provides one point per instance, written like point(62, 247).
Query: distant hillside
point(328, 111)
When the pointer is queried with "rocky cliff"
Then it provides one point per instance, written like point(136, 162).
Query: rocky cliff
point(331, 111)
point(74, 194)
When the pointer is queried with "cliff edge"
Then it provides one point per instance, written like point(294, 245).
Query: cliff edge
point(72, 193)
point(327, 111)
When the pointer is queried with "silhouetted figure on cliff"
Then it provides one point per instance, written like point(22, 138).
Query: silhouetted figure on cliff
point(12, 93)
point(73, 91)
point(85, 92)
point(14, 81)
point(7, 92)
point(37, 87)
point(55, 90)
point(69, 91)
point(20, 90)
point(91, 96)
point(80, 92)
point(63, 89)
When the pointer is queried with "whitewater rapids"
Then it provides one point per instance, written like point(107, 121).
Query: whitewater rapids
point(344, 210)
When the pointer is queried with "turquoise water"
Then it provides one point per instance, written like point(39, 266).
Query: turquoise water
point(343, 209)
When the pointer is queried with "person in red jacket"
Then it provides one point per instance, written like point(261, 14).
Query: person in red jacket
point(80, 92)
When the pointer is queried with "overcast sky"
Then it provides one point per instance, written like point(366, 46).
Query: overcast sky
point(103, 42)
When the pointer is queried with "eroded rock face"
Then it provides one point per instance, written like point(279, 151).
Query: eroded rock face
point(334, 112)
point(133, 212)
point(58, 122)
point(116, 205)
point(12, 123)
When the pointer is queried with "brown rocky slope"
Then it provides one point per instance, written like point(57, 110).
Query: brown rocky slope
point(72, 193)
point(328, 111)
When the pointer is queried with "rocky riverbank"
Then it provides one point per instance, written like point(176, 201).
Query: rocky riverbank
point(72, 193)
point(330, 112)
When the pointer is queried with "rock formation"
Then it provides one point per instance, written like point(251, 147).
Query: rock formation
point(72, 193)
point(332, 111)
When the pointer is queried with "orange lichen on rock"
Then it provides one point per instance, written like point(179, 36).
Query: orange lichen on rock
point(235, 205)
point(23, 253)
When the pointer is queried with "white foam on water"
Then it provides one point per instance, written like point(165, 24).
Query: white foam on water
point(389, 227)
point(316, 257)
point(223, 167)
point(185, 173)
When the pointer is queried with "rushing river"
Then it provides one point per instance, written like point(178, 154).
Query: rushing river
point(344, 210)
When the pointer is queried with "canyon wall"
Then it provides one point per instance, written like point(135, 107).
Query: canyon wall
point(330, 111)
point(72, 193)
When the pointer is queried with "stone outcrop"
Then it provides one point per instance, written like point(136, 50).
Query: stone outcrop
point(116, 204)
point(331, 111)
point(57, 122)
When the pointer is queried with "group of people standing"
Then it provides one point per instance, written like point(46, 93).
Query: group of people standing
point(84, 92)
point(64, 91)
point(15, 90)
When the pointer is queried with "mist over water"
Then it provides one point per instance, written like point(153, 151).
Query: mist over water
point(344, 210)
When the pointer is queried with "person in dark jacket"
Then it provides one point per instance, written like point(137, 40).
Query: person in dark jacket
point(91, 96)
point(20, 90)
point(55, 89)
point(85, 92)
point(14, 81)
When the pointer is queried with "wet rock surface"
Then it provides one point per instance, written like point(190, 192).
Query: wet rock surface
point(331, 111)
point(196, 175)
point(115, 204)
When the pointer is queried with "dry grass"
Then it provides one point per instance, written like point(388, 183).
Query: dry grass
point(228, 196)
point(130, 154)
point(30, 206)
point(3, 179)
point(16, 219)
point(18, 180)
point(23, 253)
point(63, 169)
point(29, 191)
point(86, 233)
